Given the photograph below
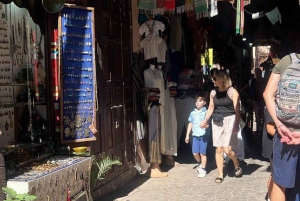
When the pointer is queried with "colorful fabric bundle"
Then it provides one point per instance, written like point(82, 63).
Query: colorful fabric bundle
point(242, 18)
point(160, 3)
point(160, 7)
point(173, 91)
point(189, 5)
point(238, 16)
point(201, 8)
point(212, 8)
point(170, 5)
point(147, 5)
point(153, 94)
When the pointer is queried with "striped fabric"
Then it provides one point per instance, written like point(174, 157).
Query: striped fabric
point(242, 18)
point(147, 4)
point(238, 17)
point(201, 8)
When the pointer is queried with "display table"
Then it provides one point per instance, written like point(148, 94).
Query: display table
point(56, 178)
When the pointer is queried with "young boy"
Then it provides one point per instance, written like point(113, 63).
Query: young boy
point(200, 135)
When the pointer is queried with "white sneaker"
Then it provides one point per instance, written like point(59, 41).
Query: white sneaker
point(199, 168)
point(202, 173)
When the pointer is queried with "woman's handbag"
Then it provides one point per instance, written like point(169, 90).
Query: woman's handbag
point(217, 118)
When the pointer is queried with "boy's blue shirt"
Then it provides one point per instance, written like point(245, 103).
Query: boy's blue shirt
point(196, 117)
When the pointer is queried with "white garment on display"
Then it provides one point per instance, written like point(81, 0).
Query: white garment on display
point(173, 129)
point(151, 27)
point(150, 45)
point(154, 79)
point(161, 56)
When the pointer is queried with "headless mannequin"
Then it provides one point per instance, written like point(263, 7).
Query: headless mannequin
point(153, 79)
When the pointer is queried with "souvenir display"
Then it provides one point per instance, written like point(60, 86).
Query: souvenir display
point(55, 178)
point(77, 74)
point(27, 150)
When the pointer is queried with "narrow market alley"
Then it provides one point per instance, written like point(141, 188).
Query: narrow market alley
point(183, 183)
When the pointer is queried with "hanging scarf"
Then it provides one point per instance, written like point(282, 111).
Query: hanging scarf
point(213, 9)
point(160, 7)
point(189, 5)
point(147, 5)
point(242, 18)
point(238, 16)
point(160, 3)
point(200, 8)
point(170, 5)
point(180, 6)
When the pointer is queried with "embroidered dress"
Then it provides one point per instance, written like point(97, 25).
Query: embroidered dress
point(168, 140)
point(151, 27)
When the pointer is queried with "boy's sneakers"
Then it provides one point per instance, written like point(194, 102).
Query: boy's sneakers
point(199, 168)
point(202, 173)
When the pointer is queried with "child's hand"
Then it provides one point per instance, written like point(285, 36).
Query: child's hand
point(203, 124)
point(206, 126)
point(187, 139)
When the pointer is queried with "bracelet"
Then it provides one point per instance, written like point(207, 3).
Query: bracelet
point(279, 126)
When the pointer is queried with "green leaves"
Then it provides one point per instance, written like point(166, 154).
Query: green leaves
point(11, 195)
point(101, 165)
point(9, 191)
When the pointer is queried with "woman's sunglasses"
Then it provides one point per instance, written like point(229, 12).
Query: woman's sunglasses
point(214, 78)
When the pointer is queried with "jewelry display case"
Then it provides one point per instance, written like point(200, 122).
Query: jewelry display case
point(35, 169)
point(78, 93)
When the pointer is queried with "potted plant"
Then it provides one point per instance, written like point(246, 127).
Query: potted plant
point(101, 164)
point(12, 195)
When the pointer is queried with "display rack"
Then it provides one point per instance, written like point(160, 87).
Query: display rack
point(77, 74)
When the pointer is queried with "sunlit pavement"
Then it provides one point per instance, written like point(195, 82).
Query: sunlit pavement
point(183, 183)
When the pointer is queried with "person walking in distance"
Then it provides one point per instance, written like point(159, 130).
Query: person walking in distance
point(200, 135)
point(224, 108)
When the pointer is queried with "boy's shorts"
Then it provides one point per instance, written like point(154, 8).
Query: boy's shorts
point(285, 159)
point(200, 144)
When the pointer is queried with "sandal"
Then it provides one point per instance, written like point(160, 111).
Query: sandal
point(238, 171)
point(219, 180)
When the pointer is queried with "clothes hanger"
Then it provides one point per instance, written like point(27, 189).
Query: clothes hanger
point(183, 96)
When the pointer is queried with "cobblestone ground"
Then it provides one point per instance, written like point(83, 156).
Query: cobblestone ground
point(183, 183)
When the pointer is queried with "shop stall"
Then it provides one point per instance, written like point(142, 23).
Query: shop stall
point(32, 158)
